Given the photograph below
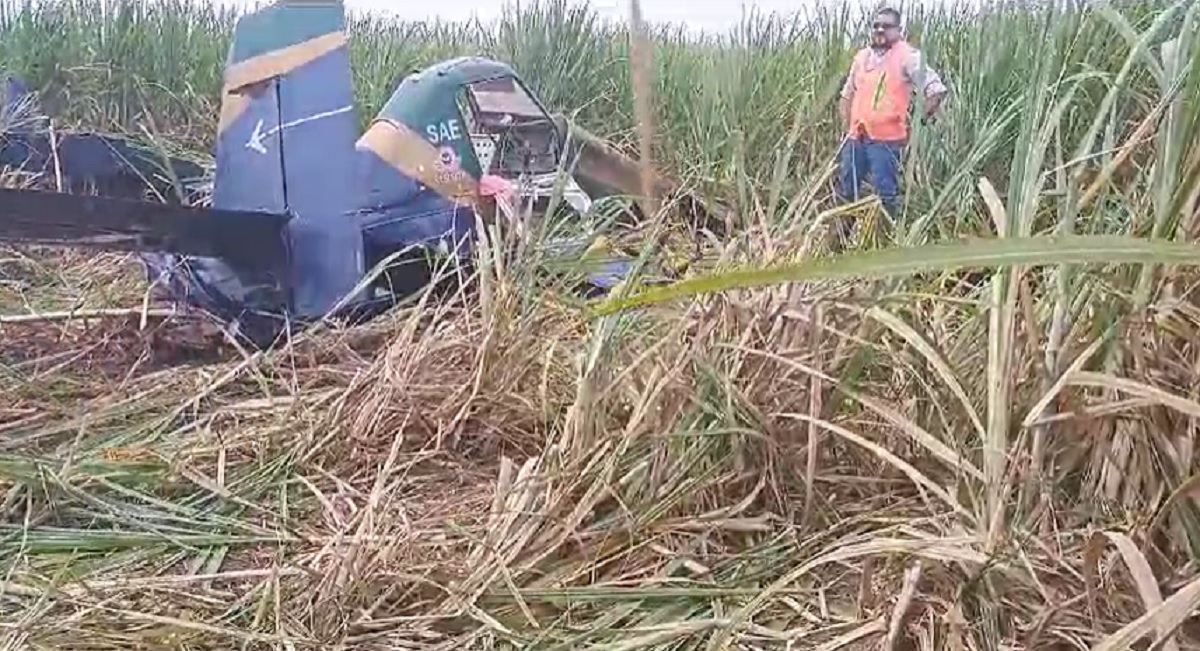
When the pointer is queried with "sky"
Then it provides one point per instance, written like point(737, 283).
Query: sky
point(695, 14)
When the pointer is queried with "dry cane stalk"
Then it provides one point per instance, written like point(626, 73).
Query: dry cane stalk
point(640, 59)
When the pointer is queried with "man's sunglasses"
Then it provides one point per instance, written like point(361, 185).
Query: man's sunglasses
point(884, 25)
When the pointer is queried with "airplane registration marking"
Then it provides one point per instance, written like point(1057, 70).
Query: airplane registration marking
point(447, 130)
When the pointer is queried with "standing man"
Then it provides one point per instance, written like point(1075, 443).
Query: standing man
point(875, 104)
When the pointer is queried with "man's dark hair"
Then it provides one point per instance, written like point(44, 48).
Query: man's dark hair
point(889, 11)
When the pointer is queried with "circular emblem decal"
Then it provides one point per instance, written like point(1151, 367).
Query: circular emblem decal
point(448, 158)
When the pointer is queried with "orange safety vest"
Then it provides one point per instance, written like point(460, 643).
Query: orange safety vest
point(882, 94)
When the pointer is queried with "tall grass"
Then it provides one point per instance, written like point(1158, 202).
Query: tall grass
point(726, 102)
point(913, 461)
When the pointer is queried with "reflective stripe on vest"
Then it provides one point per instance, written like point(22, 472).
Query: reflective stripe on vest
point(882, 95)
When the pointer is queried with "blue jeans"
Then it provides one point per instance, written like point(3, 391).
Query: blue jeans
point(880, 159)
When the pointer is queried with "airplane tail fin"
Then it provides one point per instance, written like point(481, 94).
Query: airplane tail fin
point(285, 142)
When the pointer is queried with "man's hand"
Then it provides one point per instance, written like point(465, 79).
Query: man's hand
point(844, 111)
point(932, 104)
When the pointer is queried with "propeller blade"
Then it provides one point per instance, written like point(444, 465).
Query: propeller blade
point(245, 239)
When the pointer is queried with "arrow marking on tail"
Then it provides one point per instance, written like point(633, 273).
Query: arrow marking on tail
point(256, 139)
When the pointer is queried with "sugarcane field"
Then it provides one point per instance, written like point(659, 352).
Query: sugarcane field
point(853, 327)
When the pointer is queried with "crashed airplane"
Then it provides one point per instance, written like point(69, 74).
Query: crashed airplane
point(303, 206)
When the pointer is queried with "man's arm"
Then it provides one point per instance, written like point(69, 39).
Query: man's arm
point(844, 101)
point(928, 81)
